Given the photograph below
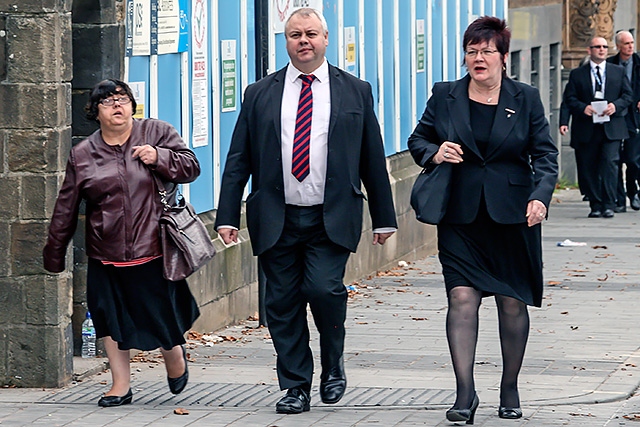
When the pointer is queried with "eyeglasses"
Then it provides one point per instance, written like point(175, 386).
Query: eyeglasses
point(108, 102)
point(599, 46)
point(485, 52)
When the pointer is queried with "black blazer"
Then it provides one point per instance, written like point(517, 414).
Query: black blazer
point(579, 93)
point(633, 116)
point(520, 163)
point(355, 155)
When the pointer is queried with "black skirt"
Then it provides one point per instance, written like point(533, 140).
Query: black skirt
point(137, 307)
point(503, 259)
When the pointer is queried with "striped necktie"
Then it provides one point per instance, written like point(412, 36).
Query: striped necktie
point(302, 134)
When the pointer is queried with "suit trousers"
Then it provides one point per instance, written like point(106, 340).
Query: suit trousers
point(630, 156)
point(305, 268)
point(599, 160)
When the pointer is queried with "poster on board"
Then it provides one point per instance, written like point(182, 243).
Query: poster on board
point(229, 81)
point(281, 9)
point(199, 74)
point(138, 28)
point(420, 48)
point(173, 26)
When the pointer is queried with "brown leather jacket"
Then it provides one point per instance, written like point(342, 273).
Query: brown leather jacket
point(122, 204)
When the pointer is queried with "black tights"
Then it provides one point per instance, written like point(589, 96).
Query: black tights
point(462, 334)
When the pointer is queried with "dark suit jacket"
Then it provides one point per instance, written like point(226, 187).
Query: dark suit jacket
point(355, 155)
point(633, 116)
point(520, 163)
point(579, 93)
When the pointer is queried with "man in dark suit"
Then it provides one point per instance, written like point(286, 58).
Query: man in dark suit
point(598, 133)
point(565, 115)
point(308, 137)
point(630, 152)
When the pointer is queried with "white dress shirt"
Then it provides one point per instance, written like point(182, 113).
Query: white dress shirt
point(310, 191)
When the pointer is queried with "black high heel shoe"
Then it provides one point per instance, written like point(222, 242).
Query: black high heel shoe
point(509, 413)
point(109, 401)
point(176, 385)
point(467, 414)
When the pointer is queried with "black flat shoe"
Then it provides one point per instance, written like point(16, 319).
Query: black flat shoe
point(109, 401)
point(635, 203)
point(333, 384)
point(467, 414)
point(509, 413)
point(176, 385)
point(295, 401)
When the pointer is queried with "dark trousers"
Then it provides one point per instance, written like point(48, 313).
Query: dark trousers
point(630, 156)
point(579, 167)
point(305, 268)
point(600, 158)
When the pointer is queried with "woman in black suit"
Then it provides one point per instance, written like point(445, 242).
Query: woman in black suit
point(504, 168)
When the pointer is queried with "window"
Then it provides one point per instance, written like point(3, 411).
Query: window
point(514, 68)
point(535, 67)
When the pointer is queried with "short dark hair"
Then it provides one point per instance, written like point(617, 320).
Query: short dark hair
point(485, 29)
point(105, 89)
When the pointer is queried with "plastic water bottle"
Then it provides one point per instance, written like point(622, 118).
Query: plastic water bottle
point(88, 338)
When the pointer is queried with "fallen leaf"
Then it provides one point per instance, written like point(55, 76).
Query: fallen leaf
point(598, 247)
point(577, 414)
point(554, 283)
point(181, 411)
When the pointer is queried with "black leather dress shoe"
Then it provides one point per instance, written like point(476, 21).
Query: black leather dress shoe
point(295, 401)
point(109, 401)
point(333, 384)
point(608, 213)
point(620, 209)
point(635, 203)
point(176, 385)
point(595, 214)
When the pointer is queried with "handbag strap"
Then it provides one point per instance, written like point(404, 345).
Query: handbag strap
point(162, 191)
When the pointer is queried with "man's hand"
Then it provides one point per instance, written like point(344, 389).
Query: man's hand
point(229, 235)
point(564, 129)
point(611, 109)
point(380, 238)
point(588, 110)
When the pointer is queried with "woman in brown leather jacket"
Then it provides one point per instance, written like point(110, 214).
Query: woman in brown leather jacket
point(131, 304)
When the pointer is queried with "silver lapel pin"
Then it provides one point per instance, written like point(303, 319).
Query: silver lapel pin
point(509, 112)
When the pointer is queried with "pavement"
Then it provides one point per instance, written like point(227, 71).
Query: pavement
point(581, 366)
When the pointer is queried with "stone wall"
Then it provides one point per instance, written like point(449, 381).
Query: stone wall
point(35, 134)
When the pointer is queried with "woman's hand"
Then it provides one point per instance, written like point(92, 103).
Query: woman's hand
point(536, 212)
point(448, 152)
point(146, 153)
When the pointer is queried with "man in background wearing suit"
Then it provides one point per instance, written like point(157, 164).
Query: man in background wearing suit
point(599, 142)
point(308, 137)
point(630, 152)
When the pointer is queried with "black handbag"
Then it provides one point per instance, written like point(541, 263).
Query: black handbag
point(430, 193)
point(186, 244)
